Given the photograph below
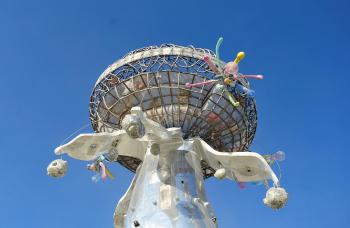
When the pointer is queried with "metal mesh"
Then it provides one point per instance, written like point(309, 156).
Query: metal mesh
point(154, 78)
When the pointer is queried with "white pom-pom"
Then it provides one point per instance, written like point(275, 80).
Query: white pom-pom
point(276, 198)
point(57, 168)
point(220, 173)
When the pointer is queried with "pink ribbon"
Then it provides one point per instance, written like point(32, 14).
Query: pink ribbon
point(259, 76)
point(189, 85)
point(241, 185)
point(103, 171)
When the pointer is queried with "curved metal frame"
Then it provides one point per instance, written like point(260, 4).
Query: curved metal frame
point(154, 78)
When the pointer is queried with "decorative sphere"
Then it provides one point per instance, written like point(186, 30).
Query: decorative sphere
point(276, 198)
point(220, 173)
point(57, 168)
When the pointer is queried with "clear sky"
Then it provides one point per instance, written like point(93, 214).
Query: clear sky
point(52, 52)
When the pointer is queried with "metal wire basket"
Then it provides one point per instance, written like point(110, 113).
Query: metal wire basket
point(154, 78)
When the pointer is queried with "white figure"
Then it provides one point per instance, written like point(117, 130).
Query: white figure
point(170, 171)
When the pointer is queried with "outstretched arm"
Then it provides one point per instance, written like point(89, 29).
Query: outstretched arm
point(239, 166)
point(89, 146)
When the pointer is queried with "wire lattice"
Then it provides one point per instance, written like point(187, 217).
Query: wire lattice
point(154, 78)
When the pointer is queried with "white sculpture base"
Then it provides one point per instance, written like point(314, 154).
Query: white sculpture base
point(168, 191)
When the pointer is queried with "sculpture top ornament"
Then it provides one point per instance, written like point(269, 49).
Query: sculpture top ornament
point(175, 116)
point(178, 87)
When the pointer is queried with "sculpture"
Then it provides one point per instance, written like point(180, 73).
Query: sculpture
point(167, 114)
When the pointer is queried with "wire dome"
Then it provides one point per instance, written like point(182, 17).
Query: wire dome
point(154, 78)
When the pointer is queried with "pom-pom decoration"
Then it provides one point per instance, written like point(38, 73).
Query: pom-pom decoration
point(278, 156)
point(220, 173)
point(276, 198)
point(57, 168)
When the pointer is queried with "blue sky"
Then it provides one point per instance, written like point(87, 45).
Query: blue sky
point(52, 52)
